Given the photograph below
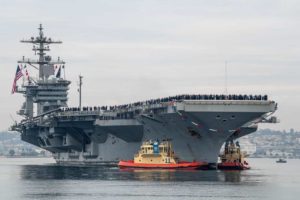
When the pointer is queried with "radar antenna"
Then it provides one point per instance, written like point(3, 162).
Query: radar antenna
point(40, 46)
point(49, 92)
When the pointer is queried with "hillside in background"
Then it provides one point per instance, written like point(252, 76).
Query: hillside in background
point(11, 145)
point(263, 143)
point(270, 143)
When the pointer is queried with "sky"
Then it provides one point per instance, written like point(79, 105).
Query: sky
point(135, 50)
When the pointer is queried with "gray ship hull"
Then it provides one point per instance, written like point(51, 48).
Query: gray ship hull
point(197, 129)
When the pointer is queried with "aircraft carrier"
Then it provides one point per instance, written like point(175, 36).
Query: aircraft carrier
point(197, 124)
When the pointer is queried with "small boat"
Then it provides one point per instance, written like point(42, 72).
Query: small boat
point(281, 160)
point(159, 155)
point(233, 157)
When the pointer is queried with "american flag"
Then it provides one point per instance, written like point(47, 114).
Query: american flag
point(18, 75)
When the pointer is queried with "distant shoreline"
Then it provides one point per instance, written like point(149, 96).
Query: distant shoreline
point(25, 156)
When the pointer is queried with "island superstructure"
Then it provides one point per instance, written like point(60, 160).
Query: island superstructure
point(197, 124)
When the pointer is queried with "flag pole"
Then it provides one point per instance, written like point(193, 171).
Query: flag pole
point(64, 72)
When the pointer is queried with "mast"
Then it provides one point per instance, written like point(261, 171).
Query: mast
point(40, 46)
point(226, 91)
point(79, 90)
point(49, 92)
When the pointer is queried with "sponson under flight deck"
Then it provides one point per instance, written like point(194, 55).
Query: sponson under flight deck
point(198, 125)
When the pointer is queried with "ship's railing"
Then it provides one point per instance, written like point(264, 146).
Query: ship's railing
point(228, 102)
point(161, 102)
point(78, 113)
point(32, 121)
point(116, 112)
point(193, 97)
point(104, 111)
point(112, 111)
point(53, 88)
point(139, 107)
point(73, 153)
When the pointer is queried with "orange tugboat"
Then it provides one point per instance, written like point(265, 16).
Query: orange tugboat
point(155, 154)
point(233, 157)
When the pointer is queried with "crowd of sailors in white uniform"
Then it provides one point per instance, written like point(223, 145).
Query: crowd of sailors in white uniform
point(170, 99)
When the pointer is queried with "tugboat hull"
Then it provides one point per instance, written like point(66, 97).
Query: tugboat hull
point(234, 166)
point(179, 165)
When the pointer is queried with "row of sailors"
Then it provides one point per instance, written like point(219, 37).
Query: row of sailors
point(210, 97)
point(170, 99)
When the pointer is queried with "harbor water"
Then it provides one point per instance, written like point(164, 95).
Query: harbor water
point(41, 178)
